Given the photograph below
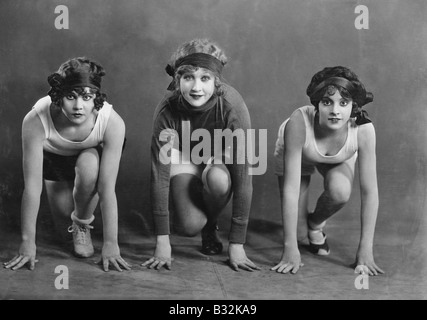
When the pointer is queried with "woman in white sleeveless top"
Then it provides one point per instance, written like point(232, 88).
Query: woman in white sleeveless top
point(72, 140)
point(329, 135)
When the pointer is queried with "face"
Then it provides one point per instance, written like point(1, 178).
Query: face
point(334, 110)
point(197, 87)
point(77, 108)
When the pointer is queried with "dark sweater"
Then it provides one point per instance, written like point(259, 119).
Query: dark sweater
point(220, 112)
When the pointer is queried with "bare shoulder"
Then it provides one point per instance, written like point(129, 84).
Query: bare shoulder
point(115, 130)
point(295, 129)
point(115, 121)
point(32, 125)
point(366, 134)
point(297, 119)
point(31, 116)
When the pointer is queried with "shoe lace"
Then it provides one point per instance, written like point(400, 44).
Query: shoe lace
point(81, 232)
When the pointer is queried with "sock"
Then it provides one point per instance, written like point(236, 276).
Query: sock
point(316, 235)
point(82, 221)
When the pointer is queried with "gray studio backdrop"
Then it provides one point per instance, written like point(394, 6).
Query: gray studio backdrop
point(274, 47)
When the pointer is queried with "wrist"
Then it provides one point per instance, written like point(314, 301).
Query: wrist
point(28, 239)
point(291, 244)
point(365, 245)
point(163, 239)
point(110, 242)
point(235, 245)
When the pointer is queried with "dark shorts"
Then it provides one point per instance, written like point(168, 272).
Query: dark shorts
point(61, 168)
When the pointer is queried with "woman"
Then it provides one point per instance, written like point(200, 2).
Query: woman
point(200, 186)
point(72, 139)
point(329, 135)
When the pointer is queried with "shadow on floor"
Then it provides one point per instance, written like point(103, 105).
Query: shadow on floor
point(195, 276)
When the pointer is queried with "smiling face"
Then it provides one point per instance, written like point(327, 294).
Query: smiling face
point(77, 108)
point(197, 87)
point(334, 110)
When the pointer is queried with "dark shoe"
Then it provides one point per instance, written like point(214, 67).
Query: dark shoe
point(318, 246)
point(211, 243)
point(317, 239)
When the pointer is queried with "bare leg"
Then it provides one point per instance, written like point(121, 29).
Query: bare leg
point(187, 198)
point(84, 193)
point(85, 201)
point(197, 204)
point(198, 198)
point(338, 181)
point(216, 192)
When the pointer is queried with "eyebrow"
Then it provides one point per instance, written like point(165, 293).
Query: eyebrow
point(83, 93)
point(342, 98)
point(203, 74)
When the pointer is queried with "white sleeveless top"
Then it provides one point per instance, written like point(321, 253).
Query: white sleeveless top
point(55, 143)
point(310, 153)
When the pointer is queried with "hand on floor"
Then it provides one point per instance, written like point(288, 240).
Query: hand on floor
point(162, 257)
point(111, 255)
point(238, 258)
point(290, 262)
point(26, 255)
point(366, 259)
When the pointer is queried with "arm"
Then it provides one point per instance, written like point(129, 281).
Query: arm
point(294, 138)
point(159, 193)
point(161, 141)
point(237, 119)
point(32, 147)
point(242, 198)
point(109, 167)
point(369, 196)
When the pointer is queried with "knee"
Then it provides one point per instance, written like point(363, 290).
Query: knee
point(188, 229)
point(189, 225)
point(340, 193)
point(87, 167)
point(218, 181)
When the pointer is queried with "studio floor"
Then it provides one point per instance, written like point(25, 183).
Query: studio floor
point(274, 48)
point(195, 276)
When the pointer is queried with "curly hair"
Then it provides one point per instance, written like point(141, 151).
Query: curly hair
point(338, 71)
point(71, 67)
point(197, 46)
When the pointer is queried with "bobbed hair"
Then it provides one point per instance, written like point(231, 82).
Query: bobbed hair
point(73, 66)
point(198, 45)
point(338, 71)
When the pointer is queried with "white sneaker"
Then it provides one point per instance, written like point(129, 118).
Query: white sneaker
point(83, 247)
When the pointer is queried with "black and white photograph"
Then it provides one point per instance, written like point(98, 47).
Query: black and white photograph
point(213, 154)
